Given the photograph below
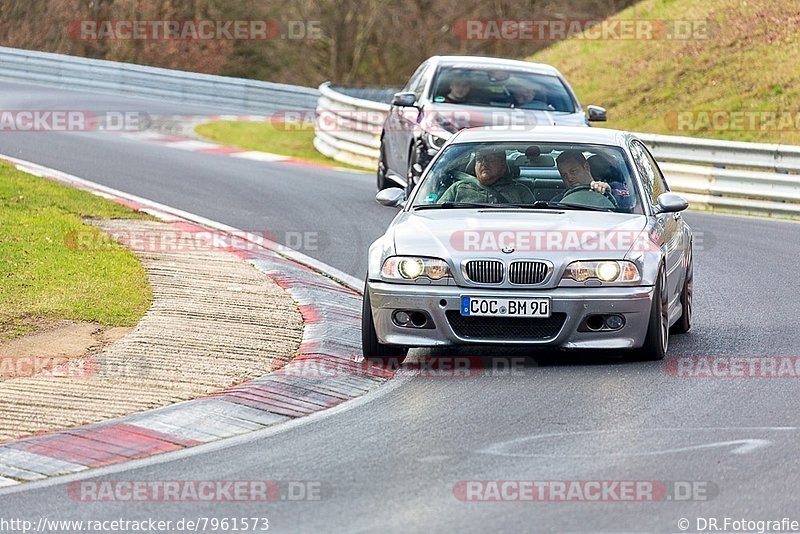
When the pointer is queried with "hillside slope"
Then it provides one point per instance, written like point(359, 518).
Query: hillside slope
point(747, 64)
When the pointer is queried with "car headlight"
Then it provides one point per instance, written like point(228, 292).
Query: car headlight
point(411, 268)
point(606, 271)
point(434, 141)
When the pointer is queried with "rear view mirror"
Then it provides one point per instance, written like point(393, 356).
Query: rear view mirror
point(394, 197)
point(533, 152)
point(596, 114)
point(671, 203)
point(404, 100)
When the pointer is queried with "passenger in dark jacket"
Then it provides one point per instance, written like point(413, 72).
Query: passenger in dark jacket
point(492, 185)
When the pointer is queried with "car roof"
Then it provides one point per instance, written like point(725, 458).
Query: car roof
point(544, 134)
point(499, 63)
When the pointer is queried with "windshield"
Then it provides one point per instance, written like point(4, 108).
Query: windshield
point(501, 88)
point(542, 175)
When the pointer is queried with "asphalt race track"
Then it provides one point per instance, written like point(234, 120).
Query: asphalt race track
point(391, 460)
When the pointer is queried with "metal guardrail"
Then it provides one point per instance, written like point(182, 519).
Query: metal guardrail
point(723, 154)
point(718, 175)
point(731, 175)
point(348, 128)
point(761, 193)
point(222, 92)
point(727, 175)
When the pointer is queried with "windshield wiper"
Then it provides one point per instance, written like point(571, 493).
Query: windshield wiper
point(577, 206)
point(538, 205)
point(453, 205)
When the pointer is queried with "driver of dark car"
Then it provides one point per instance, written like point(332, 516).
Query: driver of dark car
point(575, 172)
point(491, 184)
point(527, 96)
point(459, 90)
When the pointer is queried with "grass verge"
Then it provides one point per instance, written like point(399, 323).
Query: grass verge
point(737, 60)
point(266, 137)
point(43, 278)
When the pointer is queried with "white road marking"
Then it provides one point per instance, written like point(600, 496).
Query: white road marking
point(225, 443)
point(192, 145)
point(39, 170)
point(259, 156)
point(347, 280)
point(145, 135)
point(735, 446)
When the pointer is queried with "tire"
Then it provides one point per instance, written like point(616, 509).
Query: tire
point(391, 356)
point(685, 322)
point(383, 183)
point(657, 340)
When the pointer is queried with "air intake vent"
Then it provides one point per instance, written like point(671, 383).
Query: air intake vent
point(484, 271)
point(505, 328)
point(527, 272)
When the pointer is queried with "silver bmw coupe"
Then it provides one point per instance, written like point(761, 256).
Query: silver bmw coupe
point(553, 236)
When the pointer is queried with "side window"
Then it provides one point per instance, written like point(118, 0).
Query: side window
point(414, 81)
point(659, 181)
point(652, 180)
point(419, 86)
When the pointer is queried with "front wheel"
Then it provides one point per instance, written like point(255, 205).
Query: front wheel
point(383, 183)
point(657, 340)
point(417, 155)
point(372, 349)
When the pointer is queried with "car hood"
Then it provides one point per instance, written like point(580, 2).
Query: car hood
point(454, 117)
point(558, 236)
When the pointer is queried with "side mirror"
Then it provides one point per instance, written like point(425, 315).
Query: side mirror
point(671, 203)
point(404, 100)
point(596, 114)
point(417, 169)
point(394, 197)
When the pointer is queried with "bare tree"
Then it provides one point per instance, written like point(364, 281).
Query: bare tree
point(362, 42)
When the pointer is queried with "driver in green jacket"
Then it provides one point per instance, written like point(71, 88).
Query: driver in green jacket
point(492, 185)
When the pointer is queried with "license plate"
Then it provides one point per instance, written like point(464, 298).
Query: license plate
point(501, 307)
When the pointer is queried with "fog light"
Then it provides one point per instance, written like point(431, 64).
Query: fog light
point(402, 318)
point(615, 322)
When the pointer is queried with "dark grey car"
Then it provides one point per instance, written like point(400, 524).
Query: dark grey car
point(501, 92)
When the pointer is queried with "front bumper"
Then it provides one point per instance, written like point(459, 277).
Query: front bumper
point(634, 303)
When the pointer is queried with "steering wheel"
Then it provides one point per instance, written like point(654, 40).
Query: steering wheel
point(607, 194)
